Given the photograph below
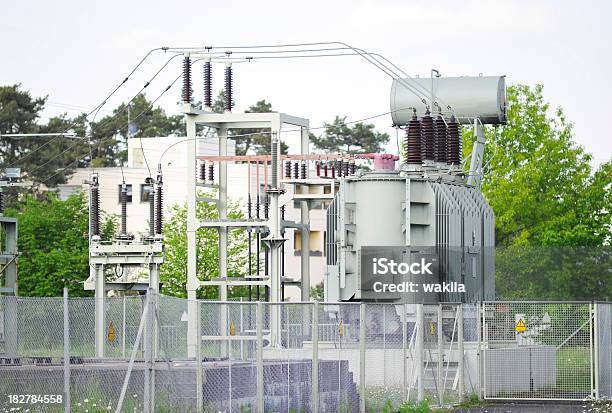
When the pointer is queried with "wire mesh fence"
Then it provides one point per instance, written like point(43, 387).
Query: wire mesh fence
point(294, 357)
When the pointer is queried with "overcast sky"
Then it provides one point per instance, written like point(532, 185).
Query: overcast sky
point(77, 51)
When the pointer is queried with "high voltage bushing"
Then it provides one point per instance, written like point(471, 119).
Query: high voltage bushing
point(427, 137)
point(207, 84)
point(303, 170)
point(287, 169)
point(211, 172)
point(266, 206)
point(412, 142)
point(352, 166)
point(95, 208)
point(333, 170)
point(187, 90)
point(159, 205)
point(440, 139)
point(453, 142)
point(318, 168)
point(339, 165)
point(149, 184)
point(228, 93)
point(325, 168)
point(203, 171)
point(123, 201)
point(296, 170)
point(346, 168)
point(249, 206)
point(274, 148)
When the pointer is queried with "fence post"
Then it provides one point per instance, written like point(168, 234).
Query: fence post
point(419, 352)
point(595, 352)
point(362, 359)
point(404, 355)
point(123, 329)
point(441, 384)
point(460, 365)
point(66, 353)
point(198, 360)
point(315, 357)
point(149, 379)
point(480, 354)
point(260, 367)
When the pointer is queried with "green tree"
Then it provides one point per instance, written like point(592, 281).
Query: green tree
point(110, 134)
point(53, 244)
point(360, 138)
point(173, 272)
point(40, 158)
point(549, 204)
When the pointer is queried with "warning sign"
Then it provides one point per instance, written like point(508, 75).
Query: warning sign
point(111, 332)
point(232, 328)
point(432, 328)
point(520, 326)
point(340, 329)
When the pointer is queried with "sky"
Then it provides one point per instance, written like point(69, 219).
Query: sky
point(76, 52)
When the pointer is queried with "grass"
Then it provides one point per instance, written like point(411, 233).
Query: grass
point(574, 369)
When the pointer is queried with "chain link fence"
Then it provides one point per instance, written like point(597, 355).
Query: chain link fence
point(297, 357)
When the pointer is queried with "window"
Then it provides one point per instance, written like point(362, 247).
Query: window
point(128, 188)
point(145, 192)
point(316, 240)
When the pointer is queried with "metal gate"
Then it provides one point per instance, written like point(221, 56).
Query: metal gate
point(537, 350)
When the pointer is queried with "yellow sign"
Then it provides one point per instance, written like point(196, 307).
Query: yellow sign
point(340, 329)
point(432, 328)
point(232, 328)
point(111, 332)
point(520, 326)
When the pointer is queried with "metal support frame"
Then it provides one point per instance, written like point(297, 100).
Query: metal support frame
point(223, 123)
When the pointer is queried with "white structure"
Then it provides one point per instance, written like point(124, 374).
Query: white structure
point(173, 163)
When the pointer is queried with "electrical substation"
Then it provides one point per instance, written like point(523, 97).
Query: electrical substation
point(266, 352)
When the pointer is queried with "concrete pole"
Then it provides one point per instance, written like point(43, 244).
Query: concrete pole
point(305, 220)
point(419, 352)
point(222, 132)
point(100, 316)
point(192, 225)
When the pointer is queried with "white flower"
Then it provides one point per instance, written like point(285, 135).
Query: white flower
point(86, 400)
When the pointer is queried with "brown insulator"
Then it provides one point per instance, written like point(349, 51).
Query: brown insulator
point(211, 172)
point(95, 209)
point(453, 142)
point(352, 167)
point(427, 137)
point(296, 170)
point(187, 90)
point(345, 170)
point(318, 168)
point(340, 167)
point(287, 169)
point(159, 206)
point(207, 84)
point(333, 170)
point(303, 170)
point(203, 171)
point(440, 139)
point(325, 168)
point(228, 92)
point(123, 201)
point(412, 142)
